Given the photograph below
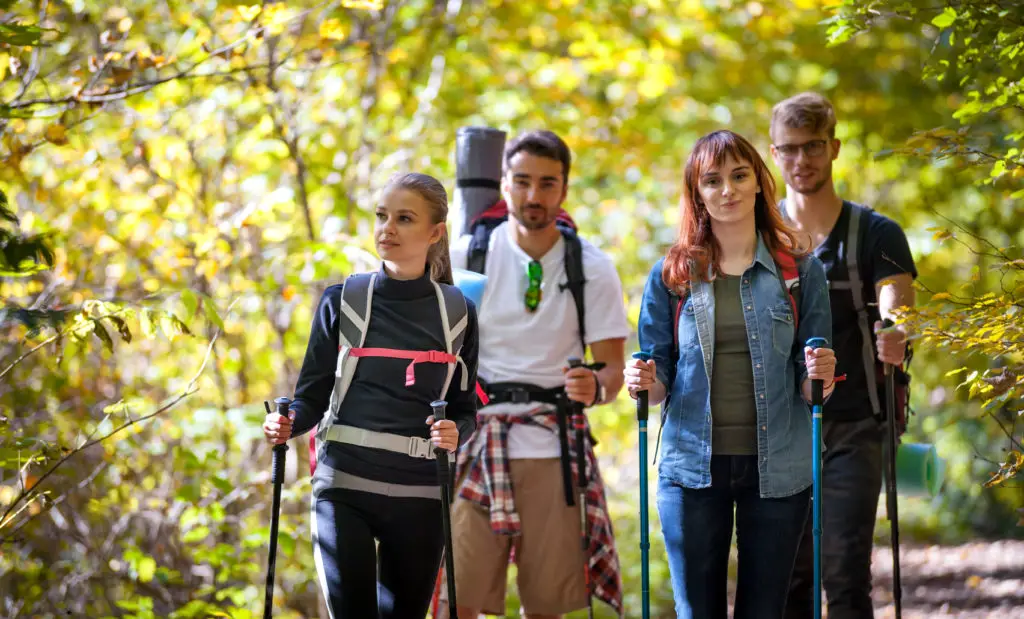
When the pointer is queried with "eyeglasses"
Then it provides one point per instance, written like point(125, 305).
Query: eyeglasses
point(814, 148)
point(534, 277)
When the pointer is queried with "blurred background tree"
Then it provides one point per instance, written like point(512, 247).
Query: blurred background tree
point(185, 178)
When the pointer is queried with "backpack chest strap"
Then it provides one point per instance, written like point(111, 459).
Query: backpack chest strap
point(414, 357)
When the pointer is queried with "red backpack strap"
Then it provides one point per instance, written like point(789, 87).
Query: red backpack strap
point(790, 276)
point(413, 356)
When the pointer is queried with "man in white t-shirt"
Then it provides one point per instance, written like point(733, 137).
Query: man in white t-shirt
point(512, 494)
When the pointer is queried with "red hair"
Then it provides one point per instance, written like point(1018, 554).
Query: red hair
point(696, 247)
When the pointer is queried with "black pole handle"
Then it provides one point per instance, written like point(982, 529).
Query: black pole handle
point(277, 476)
point(817, 385)
point(642, 402)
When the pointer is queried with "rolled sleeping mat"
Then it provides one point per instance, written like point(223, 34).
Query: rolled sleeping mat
point(919, 470)
point(478, 160)
point(471, 284)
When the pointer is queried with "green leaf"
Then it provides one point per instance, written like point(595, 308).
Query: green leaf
point(7, 111)
point(146, 569)
point(17, 34)
point(190, 301)
point(170, 325)
point(101, 332)
point(146, 323)
point(195, 535)
point(122, 327)
point(945, 19)
point(222, 484)
point(210, 310)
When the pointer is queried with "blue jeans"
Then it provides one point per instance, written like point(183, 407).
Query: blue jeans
point(697, 526)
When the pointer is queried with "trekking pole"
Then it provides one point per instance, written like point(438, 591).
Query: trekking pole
point(642, 413)
point(891, 504)
point(580, 423)
point(562, 415)
point(444, 478)
point(817, 402)
point(276, 478)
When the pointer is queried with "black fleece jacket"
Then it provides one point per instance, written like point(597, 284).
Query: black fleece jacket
point(405, 315)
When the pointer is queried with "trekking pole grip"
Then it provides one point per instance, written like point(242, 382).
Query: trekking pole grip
point(817, 385)
point(642, 403)
point(277, 475)
point(887, 323)
point(439, 407)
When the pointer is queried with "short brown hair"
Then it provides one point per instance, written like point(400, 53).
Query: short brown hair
point(807, 110)
point(540, 144)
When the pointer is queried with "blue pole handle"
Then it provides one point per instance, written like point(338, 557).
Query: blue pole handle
point(817, 342)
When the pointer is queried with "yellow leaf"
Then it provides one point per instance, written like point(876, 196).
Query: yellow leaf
point(333, 29)
point(277, 18)
point(369, 5)
point(125, 24)
point(249, 13)
point(973, 581)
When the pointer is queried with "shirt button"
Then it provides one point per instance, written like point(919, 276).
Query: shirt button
point(765, 428)
point(750, 307)
point(746, 281)
point(753, 337)
point(762, 396)
point(758, 366)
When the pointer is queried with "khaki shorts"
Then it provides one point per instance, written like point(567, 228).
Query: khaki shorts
point(548, 554)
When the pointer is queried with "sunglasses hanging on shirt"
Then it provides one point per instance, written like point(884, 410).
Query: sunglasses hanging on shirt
point(534, 277)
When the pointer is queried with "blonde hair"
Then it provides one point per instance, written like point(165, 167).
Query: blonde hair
point(432, 191)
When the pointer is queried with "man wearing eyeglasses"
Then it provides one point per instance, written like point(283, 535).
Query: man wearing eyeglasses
point(870, 271)
point(511, 493)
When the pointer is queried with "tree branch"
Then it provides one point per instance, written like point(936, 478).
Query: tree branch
point(30, 494)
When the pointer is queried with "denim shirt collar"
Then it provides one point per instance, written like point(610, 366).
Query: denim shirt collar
point(764, 255)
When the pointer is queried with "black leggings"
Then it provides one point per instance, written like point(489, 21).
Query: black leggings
point(358, 582)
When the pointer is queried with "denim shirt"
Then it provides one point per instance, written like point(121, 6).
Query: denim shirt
point(776, 353)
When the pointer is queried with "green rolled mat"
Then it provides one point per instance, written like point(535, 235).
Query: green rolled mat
point(919, 470)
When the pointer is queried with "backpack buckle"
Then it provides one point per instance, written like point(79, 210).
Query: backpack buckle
point(420, 448)
point(519, 396)
point(437, 356)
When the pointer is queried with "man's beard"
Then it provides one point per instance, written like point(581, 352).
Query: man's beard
point(826, 174)
point(527, 219)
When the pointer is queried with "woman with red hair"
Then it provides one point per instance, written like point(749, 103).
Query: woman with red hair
point(723, 318)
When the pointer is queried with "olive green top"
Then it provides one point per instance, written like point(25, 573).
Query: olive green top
point(733, 407)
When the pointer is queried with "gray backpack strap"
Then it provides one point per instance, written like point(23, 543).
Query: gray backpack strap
point(353, 321)
point(858, 218)
point(454, 319)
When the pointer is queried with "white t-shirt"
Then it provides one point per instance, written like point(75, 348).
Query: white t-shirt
point(519, 346)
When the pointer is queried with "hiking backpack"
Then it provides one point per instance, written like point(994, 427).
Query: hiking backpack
point(353, 323)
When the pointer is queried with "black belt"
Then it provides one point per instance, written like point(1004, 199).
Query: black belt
point(521, 393)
